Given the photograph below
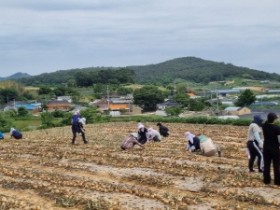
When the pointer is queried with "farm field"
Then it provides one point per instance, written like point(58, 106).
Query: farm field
point(44, 171)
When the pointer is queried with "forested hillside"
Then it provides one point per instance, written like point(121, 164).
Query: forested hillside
point(187, 68)
point(83, 77)
point(195, 69)
point(15, 76)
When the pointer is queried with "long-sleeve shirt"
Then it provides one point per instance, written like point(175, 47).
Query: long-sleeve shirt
point(255, 133)
point(129, 143)
point(142, 135)
point(152, 133)
point(16, 134)
point(163, 131)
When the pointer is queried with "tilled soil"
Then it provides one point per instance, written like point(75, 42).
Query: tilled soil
point(44, 171)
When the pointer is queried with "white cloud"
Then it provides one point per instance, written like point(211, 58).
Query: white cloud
point(50, 35)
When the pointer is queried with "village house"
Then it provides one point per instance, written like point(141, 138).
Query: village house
point(226, 92)
point(58, 105)
point(120, 104)
point(101, 104)
point(114, 104)
point(167, 103)
point(33, 108)
point(64, 98)
point(236, 110)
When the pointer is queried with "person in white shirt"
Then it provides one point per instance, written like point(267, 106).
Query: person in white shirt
point(203, 144)
point(255, 144)
point(153, 135)
point(193, 143)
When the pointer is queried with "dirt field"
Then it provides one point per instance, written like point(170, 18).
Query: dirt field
point(44, 171)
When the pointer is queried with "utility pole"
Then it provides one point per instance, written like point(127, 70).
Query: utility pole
point(108, 99)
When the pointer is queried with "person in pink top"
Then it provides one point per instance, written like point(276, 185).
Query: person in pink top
point(130, 142)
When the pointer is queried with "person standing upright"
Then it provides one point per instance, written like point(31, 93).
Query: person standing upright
point(271, 151)
point(77, 127)
point(255, 143)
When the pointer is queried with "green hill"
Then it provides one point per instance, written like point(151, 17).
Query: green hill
point(196, 70)
point(187, 68)
point(15, 76)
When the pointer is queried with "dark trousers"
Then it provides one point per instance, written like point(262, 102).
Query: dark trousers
point(76, 129)
point(156, 138)
point(255, 151)
point(271, 155)
point(142, 140)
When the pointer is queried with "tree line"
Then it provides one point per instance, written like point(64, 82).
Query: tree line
point(82, 77)
point(186, 68)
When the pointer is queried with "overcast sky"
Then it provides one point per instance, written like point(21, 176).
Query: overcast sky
point(38, 36)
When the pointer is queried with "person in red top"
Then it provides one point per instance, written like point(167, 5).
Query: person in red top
point(130, 142)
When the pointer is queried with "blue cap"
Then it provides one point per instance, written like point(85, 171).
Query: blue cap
point(258, 120)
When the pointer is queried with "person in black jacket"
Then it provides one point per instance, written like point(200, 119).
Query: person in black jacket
point(271, 150)
point(142, 133)
point(164, 131)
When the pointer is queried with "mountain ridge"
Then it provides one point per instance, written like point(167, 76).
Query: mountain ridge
point(187, 68)
point(15, 76)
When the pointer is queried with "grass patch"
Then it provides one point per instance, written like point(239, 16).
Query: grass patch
point(27, 124)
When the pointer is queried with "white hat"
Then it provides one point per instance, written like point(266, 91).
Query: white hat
point(140, 125)
point(12, 129)
point(77, 112)
point(189, 136)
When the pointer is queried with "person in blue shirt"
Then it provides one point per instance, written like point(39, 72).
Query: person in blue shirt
point(77, 126)
point(15, 134)
point(1, 135)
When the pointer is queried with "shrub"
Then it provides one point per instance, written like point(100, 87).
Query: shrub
point(5, 123)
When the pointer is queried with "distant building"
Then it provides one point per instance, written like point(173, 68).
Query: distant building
point(58, 105)
point(265, 103)
point(168, 103)
point(114, 104)
point(236, 110)
point(31, 107)
point(225, 117)
point(65, 98)
point(227, 102)
point(101, 104)
point(273, 91)
point(115, 113)
point(226, 92)
point(120, 103)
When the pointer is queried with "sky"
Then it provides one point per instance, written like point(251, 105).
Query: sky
point(39, 36)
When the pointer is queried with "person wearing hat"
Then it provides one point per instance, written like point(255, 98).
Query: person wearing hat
point(163, 130)
point(130, 142)
point(77, 127)
point(271, 151)
point(193, 143)
point(255, 143)
point(142, 133)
